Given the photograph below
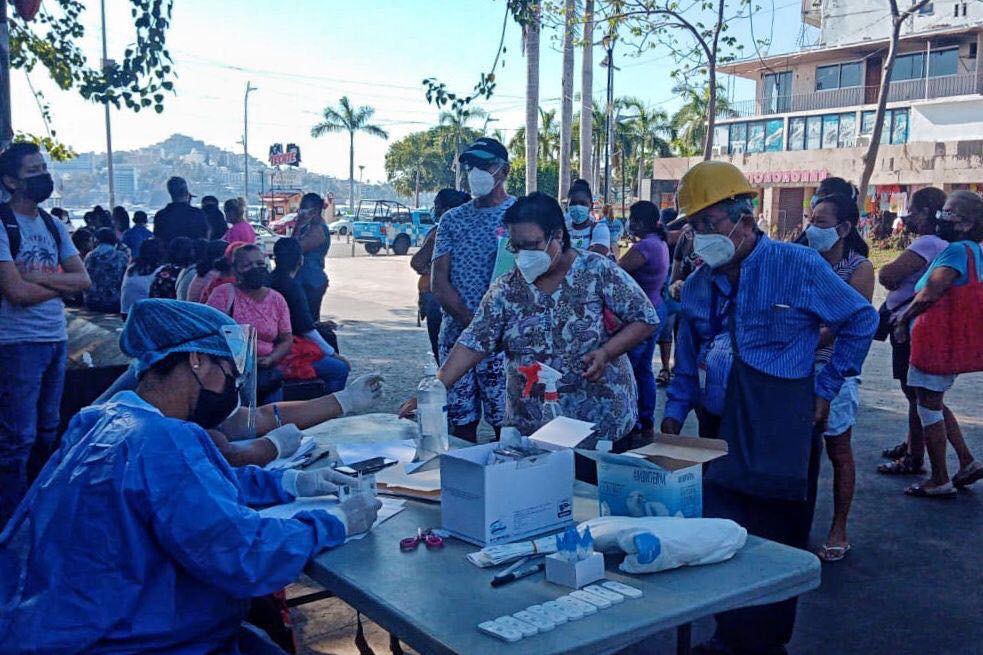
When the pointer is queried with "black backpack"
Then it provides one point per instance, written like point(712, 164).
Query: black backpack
point(13, 229)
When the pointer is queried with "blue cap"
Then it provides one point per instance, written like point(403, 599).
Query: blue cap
point(157, 327)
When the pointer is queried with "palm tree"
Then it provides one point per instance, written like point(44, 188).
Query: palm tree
point(566, 97)
point(587, 93)
point(457, 120)
point(690, 121)
point(549, 135)
point(649, 128)
point(348, 119)
point(531, 42)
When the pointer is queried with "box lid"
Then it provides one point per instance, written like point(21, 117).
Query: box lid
point(562, 432)
point(673, 452)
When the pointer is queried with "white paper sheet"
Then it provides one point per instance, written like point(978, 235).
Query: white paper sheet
point(562, 432)
point(390, 508)
point(307, 445)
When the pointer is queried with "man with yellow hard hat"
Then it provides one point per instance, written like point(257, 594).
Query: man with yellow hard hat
point(750, 321)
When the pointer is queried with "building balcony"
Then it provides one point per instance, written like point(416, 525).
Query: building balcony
point(907, 90)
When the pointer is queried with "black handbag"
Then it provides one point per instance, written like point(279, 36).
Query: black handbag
point(884, 323)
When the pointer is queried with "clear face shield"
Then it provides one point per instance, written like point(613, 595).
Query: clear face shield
point(241, 340)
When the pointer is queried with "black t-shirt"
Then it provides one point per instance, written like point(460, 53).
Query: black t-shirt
point(216, 221)
point(300, 313)
point(179, 219)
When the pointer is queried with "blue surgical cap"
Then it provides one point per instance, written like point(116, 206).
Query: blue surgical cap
point(157, 327)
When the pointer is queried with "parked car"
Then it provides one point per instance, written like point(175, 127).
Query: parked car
point(265, 238)
point(342, 226)
point(381, 222)
point(284, 225)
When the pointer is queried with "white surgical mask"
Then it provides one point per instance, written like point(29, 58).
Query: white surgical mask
point(822, 238)
point(533, 263)
point(577, 214)
point(714, 249)
point(480, 182)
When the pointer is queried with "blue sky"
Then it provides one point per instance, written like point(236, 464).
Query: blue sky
point(305, 54)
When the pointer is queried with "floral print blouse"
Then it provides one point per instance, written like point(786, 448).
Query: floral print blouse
point(558, 329)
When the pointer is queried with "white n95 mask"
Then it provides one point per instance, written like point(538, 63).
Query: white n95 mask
point(480, 182)
point(715, 249)
point(822, 238)
point(533, 263)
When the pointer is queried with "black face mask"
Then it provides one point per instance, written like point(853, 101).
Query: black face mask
point(947, 231)
point(254, 278)
point(213, 408)
point(39, 187)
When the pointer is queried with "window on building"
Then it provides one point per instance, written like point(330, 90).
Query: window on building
point(774, 133)
point(943, 62)
point(839, 76)
point(814, 131)
point(899, 127)
point(738, 138)
point(895, 128)
point(796, 133)
point(721, 136)
point(777, 92)
point(756, 137)
point(831, 131)
point(926, 9)
point(909, 67)
point(848, 131)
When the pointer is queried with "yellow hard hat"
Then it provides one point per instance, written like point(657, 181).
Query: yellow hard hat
point(708, 183)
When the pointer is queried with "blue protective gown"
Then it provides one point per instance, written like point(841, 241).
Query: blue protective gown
point(138, 538)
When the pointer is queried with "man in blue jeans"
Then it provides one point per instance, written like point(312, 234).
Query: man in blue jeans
point(38, 264)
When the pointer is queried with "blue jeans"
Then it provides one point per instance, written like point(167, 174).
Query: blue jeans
point(641, 363)
point(32, 376)
point(333, 372)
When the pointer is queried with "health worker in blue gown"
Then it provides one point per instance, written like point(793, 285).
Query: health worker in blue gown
point(138, 537)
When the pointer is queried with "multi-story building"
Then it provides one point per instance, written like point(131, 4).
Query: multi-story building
point(812, 112)
point(126, 181)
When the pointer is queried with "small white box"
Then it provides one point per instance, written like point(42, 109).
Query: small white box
point(574, 574)
point(664, 478)
point(487, 504)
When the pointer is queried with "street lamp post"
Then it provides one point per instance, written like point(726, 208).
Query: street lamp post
point(245, 141)
point(608, 43)
point(109, 131)
point(361, 172)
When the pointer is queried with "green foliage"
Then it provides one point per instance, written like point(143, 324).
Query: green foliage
point(430, 153)
point(549, 138)
point(137, 82)
point(547, 177)
point(689, 122)
point(347, 118)
point(56, 150)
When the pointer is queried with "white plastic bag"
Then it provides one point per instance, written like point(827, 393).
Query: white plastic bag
point(659, 543)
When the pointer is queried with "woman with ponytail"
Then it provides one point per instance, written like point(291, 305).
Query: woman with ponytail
point(832, 231)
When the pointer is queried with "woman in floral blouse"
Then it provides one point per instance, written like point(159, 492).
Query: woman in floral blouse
point(550, 309)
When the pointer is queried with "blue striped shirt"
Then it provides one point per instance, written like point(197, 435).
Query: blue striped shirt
point(785, 293)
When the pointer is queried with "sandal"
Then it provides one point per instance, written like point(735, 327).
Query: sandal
point(829, 553)
point(920, 490)
point(663, 378)
point(896, 452)
point(973, 473)
point(902, 466)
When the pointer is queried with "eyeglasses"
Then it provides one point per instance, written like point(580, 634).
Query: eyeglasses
point(703, 225)
point(513, 248)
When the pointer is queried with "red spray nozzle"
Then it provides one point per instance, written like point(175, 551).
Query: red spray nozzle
point(531, 373)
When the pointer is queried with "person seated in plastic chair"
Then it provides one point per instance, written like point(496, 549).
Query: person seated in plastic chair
point(138, 536)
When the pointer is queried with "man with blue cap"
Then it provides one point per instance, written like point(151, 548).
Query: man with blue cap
point(138, 536)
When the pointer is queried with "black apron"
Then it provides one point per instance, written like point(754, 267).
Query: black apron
point(768, 426)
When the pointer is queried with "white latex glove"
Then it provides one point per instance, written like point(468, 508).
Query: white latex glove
point(361, 394)
point(286, 438)
point(358, 513)
point(314, 483)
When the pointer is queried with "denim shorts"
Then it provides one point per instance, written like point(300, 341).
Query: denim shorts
point(930, 381)
point(843, 408)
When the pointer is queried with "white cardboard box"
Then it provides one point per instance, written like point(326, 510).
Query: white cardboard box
point(574, 574)
point(501, 503)
point(664, 478)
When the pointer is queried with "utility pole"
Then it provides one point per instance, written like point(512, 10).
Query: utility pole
point(608, 42)
point(6, 125)
point(361, 172)
point(245, 141)
point(106, 64)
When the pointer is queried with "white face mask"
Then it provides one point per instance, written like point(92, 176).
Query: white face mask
point(577, 214)
point(533, 263)
point(480, 182)
point(714, 249)
point(822, 238)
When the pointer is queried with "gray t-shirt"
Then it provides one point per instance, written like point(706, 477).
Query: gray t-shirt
point(45, 321)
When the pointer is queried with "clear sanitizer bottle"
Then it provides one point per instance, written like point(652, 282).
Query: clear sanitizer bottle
point(550, 378)
point(431, 412)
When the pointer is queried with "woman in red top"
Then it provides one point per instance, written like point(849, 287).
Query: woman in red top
point(250, 301)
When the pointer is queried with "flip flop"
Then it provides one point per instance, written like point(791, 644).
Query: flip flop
point(973, 474)
point(895, 452)
point(944, 491)
point(829, 553)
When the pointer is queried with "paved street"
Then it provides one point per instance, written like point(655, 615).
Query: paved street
point(911, 585)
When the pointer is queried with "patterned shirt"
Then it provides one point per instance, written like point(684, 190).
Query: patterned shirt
point(165, 282)
point(469, 235)
point(106, 266)
point(786, 293)
point(558, 329)
point(845, 269)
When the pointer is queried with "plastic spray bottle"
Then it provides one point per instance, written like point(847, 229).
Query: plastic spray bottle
point(431, 413)
point(538, 372)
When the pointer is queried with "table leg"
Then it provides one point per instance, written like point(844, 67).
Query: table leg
point(684, 634)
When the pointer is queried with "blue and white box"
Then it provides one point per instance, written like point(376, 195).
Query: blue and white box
point(664, 478)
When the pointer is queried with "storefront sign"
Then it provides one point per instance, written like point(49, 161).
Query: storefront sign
point(787, 177)
point(284, 157)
